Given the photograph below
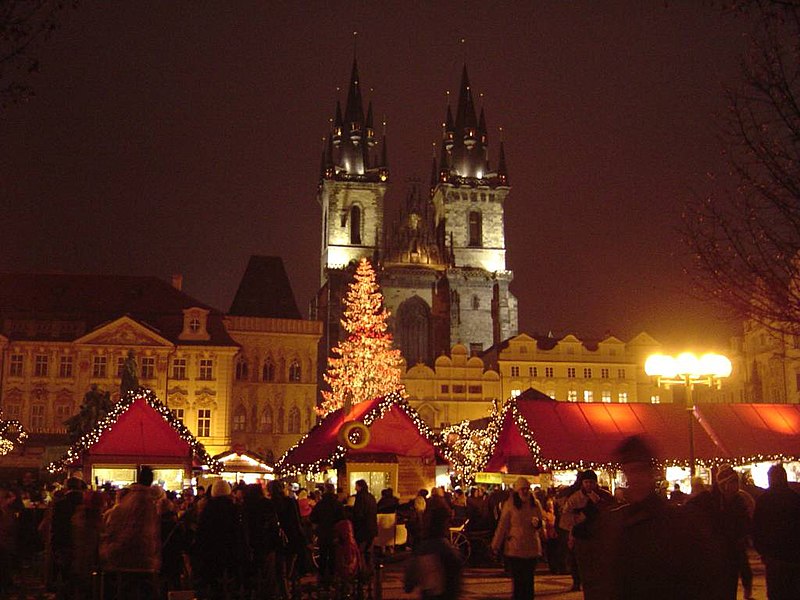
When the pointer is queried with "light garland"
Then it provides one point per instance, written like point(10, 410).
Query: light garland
point(86, 441)
point(365, 365)
point(12, 434)
point(285, 469)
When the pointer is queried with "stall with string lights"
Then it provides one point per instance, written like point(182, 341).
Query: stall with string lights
point(139, 430)
point(383, 441)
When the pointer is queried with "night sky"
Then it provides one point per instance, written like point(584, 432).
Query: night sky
point(182, 137)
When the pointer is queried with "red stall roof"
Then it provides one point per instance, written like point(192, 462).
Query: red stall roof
point(583, 435)
point(139, 429)
point(748, 432)
point(394, 426)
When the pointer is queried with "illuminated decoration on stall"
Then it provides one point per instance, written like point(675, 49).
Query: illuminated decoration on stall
point(470, 447)
point(364, 366)
point(284, 467)
point(11, 434)
point(85, 442)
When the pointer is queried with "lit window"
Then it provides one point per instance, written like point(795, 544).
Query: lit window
point(604, 373)
point(294, 371)
point(15, 365)
point(655, 399)
point(605, 396)
point(265, 422)
point(204, 422)
point(515, 393)
point(177, 413)
point(588, 396)
point(37, 416)
point(240, 419)
point(515, 371)
point(570, 371)
point(179, 368)
point(548, 371)
point(206, 369)
point(40, 365)
point(148, 367)
point(552, 394)
point(623, 397)
point(194, 325)
point(587, 373)
point(65, 367)
point(572, 396)
point(100, 367)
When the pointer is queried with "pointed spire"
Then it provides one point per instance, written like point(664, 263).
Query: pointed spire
point(482, 128)
point(465, 116)
point(370, 130)
point(336, 134)
point(502, 171)
point(354, 110)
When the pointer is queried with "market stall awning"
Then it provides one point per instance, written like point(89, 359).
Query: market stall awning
point(584, 435)
point(394, 428)
point(748, 433)
point(138, 430)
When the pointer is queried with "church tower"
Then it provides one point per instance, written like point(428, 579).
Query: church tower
point(353, 180)
point(468, 197)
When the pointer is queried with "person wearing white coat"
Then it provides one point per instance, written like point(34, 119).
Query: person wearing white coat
point(518, 537)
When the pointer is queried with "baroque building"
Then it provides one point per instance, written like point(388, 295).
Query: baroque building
point(61, 334)
point(442, 265)
point(275, 373)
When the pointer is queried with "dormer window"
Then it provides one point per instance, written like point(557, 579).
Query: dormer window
point(195, 324)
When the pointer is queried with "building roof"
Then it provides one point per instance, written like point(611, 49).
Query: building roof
point(395, 428)
point(64, 307)
point(585, 435)
point(139, 430)
point(746, 432)
point(265, 291)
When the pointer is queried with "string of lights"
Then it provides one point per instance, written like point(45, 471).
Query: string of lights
point(12, 434)
point(76, 452)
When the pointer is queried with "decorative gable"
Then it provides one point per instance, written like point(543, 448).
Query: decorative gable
point(124, 331)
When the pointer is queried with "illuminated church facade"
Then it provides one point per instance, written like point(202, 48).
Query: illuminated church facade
point(442, 264)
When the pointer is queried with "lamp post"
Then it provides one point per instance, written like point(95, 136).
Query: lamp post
point(688, 370)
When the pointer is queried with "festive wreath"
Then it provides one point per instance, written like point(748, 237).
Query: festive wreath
point(354, 435)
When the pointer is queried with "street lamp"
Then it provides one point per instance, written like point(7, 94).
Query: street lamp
point(688, 370)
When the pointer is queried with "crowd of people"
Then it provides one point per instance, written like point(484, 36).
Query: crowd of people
point(637, 543)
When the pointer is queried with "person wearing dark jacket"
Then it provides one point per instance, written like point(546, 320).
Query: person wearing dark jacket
point(324, 516)
point(291, 561)
point(435, 569)
point(219, 544)
point(365, 520)
point(776, 531)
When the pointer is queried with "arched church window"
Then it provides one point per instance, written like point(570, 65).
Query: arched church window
point(294, 420)
point(268, 371)
point(413, 331)
point(242, 369)
point(355, 225)
point(240, 418)
point(265, 424)
point(476, 303)
point(295, 371)
point(475, 229)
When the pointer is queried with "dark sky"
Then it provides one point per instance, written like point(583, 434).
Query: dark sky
point(182, 137)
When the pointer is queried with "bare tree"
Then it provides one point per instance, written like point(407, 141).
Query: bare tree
point(23, 25)
point(745, 240)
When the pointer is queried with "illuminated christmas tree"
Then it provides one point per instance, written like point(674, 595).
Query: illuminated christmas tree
point(364, 365)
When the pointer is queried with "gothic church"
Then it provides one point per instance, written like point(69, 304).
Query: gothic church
point(442, 265)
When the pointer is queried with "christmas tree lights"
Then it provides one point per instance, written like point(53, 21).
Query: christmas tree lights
point(364, 365)
point(11, 434)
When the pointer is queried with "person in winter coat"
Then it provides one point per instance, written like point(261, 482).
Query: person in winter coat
point(325, 514)
point(365, 520)
point(776, 531)
point(517, 537)
point(435, 568)
point(132, 536)
point(87, 527)
point(219, 544)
